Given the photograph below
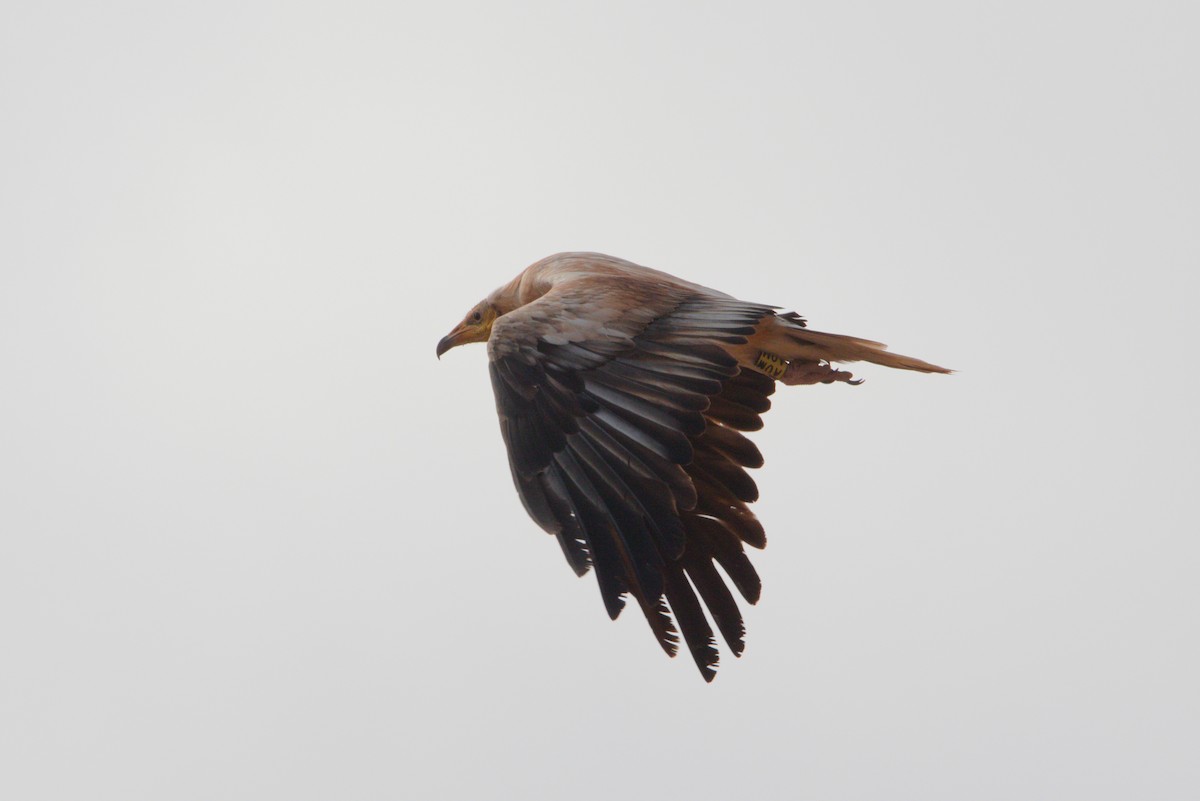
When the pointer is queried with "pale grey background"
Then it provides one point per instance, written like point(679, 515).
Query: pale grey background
point(257, 543)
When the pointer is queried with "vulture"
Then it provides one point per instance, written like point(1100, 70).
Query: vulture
point(624, 395)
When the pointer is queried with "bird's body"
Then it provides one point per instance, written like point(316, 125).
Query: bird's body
point(623, 394)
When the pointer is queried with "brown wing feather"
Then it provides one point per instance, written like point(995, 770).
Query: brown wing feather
point(622, 442)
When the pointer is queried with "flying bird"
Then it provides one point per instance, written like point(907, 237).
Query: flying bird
point(623, 394)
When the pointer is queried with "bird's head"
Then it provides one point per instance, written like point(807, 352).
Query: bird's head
point(475, 327)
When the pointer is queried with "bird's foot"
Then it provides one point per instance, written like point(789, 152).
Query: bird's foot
point(806, 372)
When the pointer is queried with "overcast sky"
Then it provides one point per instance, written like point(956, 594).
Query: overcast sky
point(257, 543)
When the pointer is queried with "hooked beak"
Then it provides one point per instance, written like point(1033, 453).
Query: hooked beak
point(445, 344)
point(451, 340)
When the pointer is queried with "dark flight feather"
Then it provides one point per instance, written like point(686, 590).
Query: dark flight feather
point(624, 395)
point(625, 447)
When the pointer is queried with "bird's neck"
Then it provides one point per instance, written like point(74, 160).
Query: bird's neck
point(525, 288)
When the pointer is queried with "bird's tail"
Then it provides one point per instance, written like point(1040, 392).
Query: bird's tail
point(796, 355)
point(818, 345)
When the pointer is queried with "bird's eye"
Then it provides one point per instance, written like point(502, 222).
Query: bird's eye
point(477, 316)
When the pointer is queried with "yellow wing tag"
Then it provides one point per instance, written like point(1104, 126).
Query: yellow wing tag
point(771, 364)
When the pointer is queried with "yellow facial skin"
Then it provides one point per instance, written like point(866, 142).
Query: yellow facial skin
point(475, 327)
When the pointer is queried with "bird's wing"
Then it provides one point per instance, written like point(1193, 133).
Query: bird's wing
point(622, 416)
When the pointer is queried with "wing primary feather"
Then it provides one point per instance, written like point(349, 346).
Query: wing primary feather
point(714, 537)
point(720, 602)
point(599, 543)
point(564, 524)
point(630, 527)
point(659, 618)
point(691, 621)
